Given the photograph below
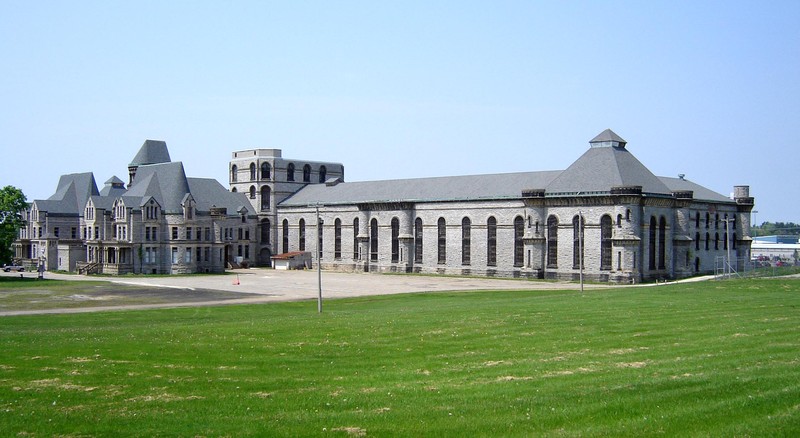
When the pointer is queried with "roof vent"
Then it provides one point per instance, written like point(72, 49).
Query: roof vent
point(682, 176)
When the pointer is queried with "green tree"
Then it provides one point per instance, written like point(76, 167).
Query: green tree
point(12, 203)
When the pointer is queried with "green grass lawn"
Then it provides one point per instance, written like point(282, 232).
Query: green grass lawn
point(708, 359)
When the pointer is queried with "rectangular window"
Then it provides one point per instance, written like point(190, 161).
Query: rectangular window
point(55, 231)
point(187, 255)
point(174, 233)
point(74, 233)
point(188, 233)
point(199, 253)
point(208, 234)
point(247, 251)
point(174, 255)
point(207, 254)
point(146, 233)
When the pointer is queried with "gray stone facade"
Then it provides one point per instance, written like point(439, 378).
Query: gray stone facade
point(636, 226)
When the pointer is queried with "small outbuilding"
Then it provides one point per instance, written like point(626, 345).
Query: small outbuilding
point(292, 260)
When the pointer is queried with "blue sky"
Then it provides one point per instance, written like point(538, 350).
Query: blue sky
point(398, 89)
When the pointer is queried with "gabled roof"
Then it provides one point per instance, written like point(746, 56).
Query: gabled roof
point(151, 152)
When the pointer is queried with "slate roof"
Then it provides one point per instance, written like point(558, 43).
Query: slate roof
point(71, 194)
point(599, 169)
point(114, 187)
point(151, 152)
point(454, 188)
point(166, 182)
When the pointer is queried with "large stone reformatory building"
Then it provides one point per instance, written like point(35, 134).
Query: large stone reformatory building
point(164, 222)
point(606, 214)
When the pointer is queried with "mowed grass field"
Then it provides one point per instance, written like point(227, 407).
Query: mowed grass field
point(718, 358)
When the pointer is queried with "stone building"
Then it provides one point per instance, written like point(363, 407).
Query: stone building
point(606, 215)
point(267, 179)
point(164, 222)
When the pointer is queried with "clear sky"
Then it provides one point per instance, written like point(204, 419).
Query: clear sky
point(402, 89)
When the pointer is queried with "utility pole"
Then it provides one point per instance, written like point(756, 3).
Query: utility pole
point(319, 268)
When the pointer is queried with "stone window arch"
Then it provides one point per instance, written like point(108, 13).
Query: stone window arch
point(466, 243)
point(290, 172)
point(491, 241)
point(265, 230)
point(307, 173)
point(662, 243)
point(418, 240)
point(337, 239)
point(285, 239)
point(323, 174)
point(234, 172)
point(301, 228)
point(605, 243)
point(233, 190)
point(519, 247)
point(652, 244)
point(266, 170)
point(266, 193)
point(373, 240)
point(252, 171)
point(578, 240)
point(552, 242)
point(395, 240)
point(355, 239)
point(441, 232)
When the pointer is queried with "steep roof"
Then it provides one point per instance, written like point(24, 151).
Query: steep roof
point(114, 187)
point(208, 192)
point(71, 194)
point(166, 182)
point(601, 168)
point(151, 152)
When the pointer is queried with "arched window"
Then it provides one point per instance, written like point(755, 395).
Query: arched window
point(252, 192)
point(234, 171)
point(552, 242)
point(733, 242)
point(418, 240)
point(323, 174)
point(265, 231)
point(307, 173)
point(716, 221)
point(697, 221)
point(652, 244)
point(725, 241)
point(290, 172)
point(662, 243)
point(441, 250)
point(337, 239)
point(265, 170)
point(355, 239)
point(578, 241)
point(252, 171)
point(265, 195)
point(605, 243)
point(619, 221)
point(519, 247)
point(697, 240)
point(395, 240)
point(708, 240)
point(716, 241)
point(708, 220)
point(302, 234)
point(373, 240)
point(466, 231)
point(285, 235)
point(491, 241)
point(233, 190)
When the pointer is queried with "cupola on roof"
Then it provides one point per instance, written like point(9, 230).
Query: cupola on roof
point(607, 138)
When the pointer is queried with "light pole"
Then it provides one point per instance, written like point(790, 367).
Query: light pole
point(319, 268)
point(753, 225)
point(580, 246)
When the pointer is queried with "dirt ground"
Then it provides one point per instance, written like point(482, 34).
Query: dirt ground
point(238, 287)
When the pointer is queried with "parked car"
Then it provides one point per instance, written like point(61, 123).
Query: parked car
point(9, 268)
